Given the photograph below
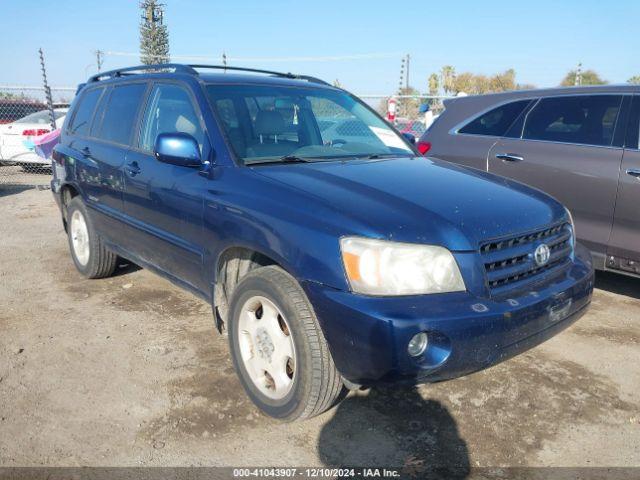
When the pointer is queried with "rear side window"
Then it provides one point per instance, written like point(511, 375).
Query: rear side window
point(496, 122)
point(120, 113)
point(580, 119)
point(84, 112)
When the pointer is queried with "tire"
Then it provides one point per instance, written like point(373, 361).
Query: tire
point(315, 383)
point(91, 257)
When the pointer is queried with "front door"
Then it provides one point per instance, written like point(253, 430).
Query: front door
point(566, 150)
point(624, 245)
point(164, 203)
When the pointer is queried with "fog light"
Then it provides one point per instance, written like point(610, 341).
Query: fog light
point(417, 344)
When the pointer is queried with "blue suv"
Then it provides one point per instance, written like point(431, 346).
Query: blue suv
point(333, 254)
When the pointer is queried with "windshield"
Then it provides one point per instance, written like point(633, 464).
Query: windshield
point(41, 117)
point(273, 123)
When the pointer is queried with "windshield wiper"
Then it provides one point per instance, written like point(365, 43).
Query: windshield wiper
point(284, 159)
point(374, 156)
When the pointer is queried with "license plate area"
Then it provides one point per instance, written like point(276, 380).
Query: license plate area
point(560, 311)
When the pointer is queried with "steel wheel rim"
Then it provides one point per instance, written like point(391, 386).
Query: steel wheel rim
point(266, 347)
point(79, 237)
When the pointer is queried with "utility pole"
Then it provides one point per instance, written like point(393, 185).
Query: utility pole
point(400, 84)
point(99, 59)
point(407, 79)
point(224, 60)
point(578, 80)
point(402, 67)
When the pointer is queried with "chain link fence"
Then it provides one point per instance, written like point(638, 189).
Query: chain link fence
point(25, 127)
point(412, 114)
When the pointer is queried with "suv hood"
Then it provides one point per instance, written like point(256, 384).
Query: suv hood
point(420, 200)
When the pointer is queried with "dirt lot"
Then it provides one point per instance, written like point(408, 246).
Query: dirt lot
point(129, 371)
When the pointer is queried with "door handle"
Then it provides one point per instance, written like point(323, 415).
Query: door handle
point(634, 172)
point(133, 169)
point(86, 152)
point(509, 157)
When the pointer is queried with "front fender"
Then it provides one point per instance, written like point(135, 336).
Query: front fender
point(244, 210)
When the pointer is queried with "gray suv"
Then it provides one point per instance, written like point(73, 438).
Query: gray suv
point(579, 144)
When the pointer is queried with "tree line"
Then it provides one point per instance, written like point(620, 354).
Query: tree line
point(448, 82)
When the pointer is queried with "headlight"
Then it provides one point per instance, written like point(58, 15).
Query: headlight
point(573, 228)
point(379, 267)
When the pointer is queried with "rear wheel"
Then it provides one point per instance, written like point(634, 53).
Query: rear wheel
point(278, 348)
point(91, 257)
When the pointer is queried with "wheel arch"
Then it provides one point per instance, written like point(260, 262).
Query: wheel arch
point(68, 191)
point(232, 264)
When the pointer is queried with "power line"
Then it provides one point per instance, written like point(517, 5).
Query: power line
point(363, 56)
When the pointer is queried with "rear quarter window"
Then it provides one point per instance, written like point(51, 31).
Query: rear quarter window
point(497, 121)
point(83, 115)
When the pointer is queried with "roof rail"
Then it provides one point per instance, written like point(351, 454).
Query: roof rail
point(256, 70)
point(191, 69)
point(176, 67)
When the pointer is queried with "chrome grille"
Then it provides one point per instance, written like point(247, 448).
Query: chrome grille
point(509, 263)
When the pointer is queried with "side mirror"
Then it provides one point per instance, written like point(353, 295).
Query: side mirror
point(410, 137)
point(177, 149)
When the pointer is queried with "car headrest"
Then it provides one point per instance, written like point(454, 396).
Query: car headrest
point(573, 116)
point(269, 122)
point(185, 125)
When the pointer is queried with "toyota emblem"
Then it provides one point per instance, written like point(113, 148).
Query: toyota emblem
point(542, 254)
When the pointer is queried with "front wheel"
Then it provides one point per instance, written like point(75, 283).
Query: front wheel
point(278, 348)
point(91, 257)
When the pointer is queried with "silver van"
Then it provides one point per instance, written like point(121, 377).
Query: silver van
point(579, 144)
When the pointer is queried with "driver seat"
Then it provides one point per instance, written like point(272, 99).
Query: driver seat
point(268, 126)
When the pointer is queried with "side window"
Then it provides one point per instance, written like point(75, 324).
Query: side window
point(169, 110)
point(633, 128)
point(84, 112)
point(580, 119)
point(496, 122)
point(120, 113)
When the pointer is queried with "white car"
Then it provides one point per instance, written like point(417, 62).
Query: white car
point(16, 139)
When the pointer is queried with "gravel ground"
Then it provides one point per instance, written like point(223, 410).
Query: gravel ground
point(129, 371)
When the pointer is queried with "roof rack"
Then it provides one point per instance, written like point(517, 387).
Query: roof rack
point(191, 69)
point(176, 67)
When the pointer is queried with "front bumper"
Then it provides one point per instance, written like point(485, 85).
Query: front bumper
point(368, 336)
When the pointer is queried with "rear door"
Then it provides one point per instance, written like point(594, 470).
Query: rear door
point(163, 202)
point(100, 172)
point(566, 148)
point(623, 251)
point(79, 143)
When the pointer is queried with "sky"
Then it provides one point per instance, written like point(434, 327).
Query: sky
point(540, 39)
